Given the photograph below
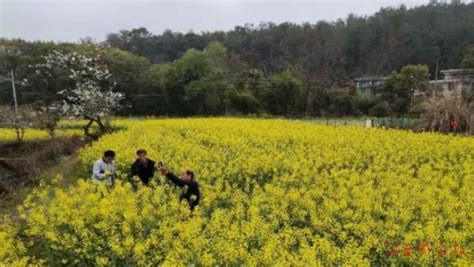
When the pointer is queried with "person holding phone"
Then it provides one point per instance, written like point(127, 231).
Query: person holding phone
point(103, 170)
point(143, 167)
point(186, 181)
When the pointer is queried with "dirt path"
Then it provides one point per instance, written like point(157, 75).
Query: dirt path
point(67, 167)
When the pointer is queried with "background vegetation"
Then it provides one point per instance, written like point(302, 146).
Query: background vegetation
point(284, 69)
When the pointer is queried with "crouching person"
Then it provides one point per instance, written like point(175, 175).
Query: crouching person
point(186, 181)
point(104, 169)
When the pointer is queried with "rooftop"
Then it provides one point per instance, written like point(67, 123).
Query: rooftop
point(458, 72)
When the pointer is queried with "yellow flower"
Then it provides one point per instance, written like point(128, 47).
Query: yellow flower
point(274, 192)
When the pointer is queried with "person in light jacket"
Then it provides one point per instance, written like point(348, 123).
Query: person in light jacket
point(104, 169)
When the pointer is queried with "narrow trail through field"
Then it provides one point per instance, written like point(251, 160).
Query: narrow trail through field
point(65, 167)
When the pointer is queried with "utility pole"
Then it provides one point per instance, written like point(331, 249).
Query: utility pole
point(14, 94)
point(226, 100)
point(437, 69)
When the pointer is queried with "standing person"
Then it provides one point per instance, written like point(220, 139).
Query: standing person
point(104, 169)
point(143, 167)
point(186, 181)
point(453, 124)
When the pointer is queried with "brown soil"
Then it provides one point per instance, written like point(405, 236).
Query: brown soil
point(23, 165)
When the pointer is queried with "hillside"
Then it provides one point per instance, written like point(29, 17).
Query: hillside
point(284, 70)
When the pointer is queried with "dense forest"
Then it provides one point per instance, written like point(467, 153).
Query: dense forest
point(285, 69)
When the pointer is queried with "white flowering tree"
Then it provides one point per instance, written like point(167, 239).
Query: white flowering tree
point(91, 94)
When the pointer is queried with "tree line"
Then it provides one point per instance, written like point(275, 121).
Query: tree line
point(280, 69)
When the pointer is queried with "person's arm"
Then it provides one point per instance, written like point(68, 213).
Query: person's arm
point(113, 168)
point(171, 176)
point(112, 175)
point(175, 179)
point(152, 167)
point(133, 171)
point(97, 171)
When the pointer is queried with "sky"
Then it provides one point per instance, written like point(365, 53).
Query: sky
point(71, 20)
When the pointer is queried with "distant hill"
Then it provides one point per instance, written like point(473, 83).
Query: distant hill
point(357, 46)
point(285, 69)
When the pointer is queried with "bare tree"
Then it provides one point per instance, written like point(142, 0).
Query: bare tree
point(48, 117)
point(450, 114)
point(18, 120)
point(9, 58)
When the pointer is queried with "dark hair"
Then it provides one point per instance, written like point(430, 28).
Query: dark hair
point(109, 153)
point(189, 172)
point(141, 151)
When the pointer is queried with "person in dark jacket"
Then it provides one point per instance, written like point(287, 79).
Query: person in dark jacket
point(143, 167)
point(187, 182)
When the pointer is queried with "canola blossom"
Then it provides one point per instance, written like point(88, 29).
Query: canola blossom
point(9, 135)
point(274, 192)
point(66, 128)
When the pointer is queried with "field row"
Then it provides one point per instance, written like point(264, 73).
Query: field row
point(274, 192)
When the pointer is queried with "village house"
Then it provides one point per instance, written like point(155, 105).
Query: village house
point(455, 82)
point(371, 84)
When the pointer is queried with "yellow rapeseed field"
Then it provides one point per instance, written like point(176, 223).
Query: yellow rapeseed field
point(274, 192)
point(9, 135)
